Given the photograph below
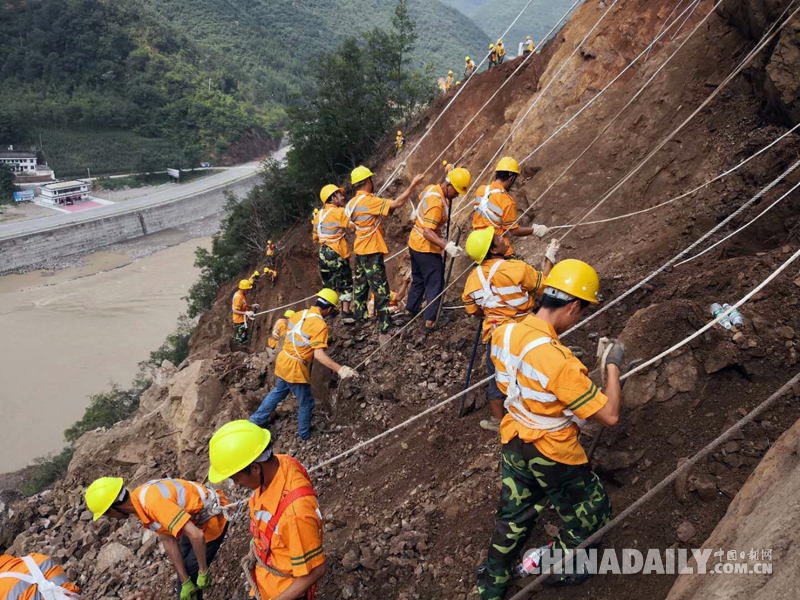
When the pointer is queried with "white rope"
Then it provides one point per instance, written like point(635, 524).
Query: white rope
point(683, 195)
point(446, 108)
point(689, 16)
point(497, 91)
point(609, 124)
point(264, 312)
point(685, 251)
point(750, 222)
point(656, 358)
point(518, 123)
point(669, 16)
point(762, 44)
point(597, 96)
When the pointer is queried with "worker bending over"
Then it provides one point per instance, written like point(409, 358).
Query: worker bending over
point(542, 459)
point(306, 340)
point(241, 311)
point(285, 520)
point(426, 244)
point(528, 46)
point(448, 82)
point(469, 67)
point(254, 278)
point(500, 291)
point(492, 56)
point(334, 254)
point(494, 207)
point(366, 211)
point(279, 330)
point(34, 577)
point(186, 516)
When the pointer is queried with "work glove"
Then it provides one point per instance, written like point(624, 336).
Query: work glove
point(616, 355)
point(250, 314)
point(204, 580)
point(453, 250)
point(540, 230)
point(347, 373)
point(256, 306)
point(551, 253)
point(188, 590)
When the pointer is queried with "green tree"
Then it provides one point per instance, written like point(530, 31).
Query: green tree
point(7, 187)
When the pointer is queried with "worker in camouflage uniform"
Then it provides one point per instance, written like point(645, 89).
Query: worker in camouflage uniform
point(548, 397)
point(328, 229)
point(366, 211)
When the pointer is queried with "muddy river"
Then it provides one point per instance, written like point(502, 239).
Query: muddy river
point(68, 334)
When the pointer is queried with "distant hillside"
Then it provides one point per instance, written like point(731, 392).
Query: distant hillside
point(286, 36)
point(494, 16)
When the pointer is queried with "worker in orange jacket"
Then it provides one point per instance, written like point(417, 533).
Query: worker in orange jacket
point(279, 330)
point(242, 311)
point(31, 576)
point(285, 520)
point(500, 291)
point(186, 516)
point(494, 207)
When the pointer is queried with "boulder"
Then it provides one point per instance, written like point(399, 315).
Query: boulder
point(112, 555)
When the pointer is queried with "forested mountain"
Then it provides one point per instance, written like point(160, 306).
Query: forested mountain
point(494, 16)
point(198, 73)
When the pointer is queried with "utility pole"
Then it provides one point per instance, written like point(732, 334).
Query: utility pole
point(89, 172)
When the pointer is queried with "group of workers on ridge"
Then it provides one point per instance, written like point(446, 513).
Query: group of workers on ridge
point(539, 397)
point(497, 54)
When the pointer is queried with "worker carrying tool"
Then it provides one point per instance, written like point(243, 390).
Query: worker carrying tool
point(366, 211)
point(492, 56)
point(306, 340)
point(448, 82)
point(334, 254)
point(546, 387)
point(500, 291)
point(286, 555)
point(500, 51)
point(270, 252)
point(186, 515)
point(279, 330)
point(254, 277)
point(528, 46)
point(426, 244)
point(34, 577)
point(469, 67)
point(242, 312)
point(399, 142)
point(494, 207)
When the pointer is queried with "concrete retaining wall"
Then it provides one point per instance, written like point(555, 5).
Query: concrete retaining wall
point(39, 247)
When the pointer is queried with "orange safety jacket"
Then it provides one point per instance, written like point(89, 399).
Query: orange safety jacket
point(25, 578)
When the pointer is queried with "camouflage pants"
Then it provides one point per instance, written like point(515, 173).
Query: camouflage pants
point(335, 273)
point(529, 480)
point(371, 275)
point(240, 337)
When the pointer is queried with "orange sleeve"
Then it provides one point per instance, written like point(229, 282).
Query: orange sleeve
point(344, 222)
point(432, 217)
point(469, 302)
point(171, 516)
point(304, 536)
point(576, 390)
point(379, 207)
point(319, 339)
point(533, 280)
point(509, 212)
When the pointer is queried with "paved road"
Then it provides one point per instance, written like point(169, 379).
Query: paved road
point(158, 196)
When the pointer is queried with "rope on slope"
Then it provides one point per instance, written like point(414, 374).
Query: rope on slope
point(667, 481)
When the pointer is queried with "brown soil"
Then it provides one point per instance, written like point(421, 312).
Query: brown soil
point(410, 516)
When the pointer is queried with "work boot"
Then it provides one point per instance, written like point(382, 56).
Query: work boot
point(493, 424)
point(348, 319)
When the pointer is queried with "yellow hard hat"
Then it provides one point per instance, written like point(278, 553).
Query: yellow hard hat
point(359, 174)
point(459, 178)
point(235, 446)
point(289, 313)
point(467, 59)
point(269, 241)
point(527, 38)
point(444, 163)
point(491, 46)
point(575, 278)
point(328, 191)
point(449, 72)
point(329, 296)
point(458, 83)
point(102, 494)
point(508, 164)
point(256, 274)
point(245, 284)
point(399, 132)
point(479, 242)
